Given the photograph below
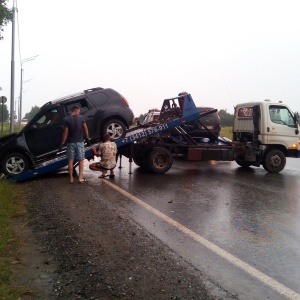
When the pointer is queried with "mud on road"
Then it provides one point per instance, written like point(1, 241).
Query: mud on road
point(78, 245)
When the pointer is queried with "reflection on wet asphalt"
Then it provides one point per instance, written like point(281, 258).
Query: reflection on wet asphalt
point(252, 214)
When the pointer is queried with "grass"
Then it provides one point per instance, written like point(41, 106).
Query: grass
point(227, 132)
point(10, 206)
point(6, 129)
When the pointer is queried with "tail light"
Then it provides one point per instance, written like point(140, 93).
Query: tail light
point(125, 101)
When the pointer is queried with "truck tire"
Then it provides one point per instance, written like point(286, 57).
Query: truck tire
point(244, 164)
point(140, 161)
point(159, 160)
point(14, 164)
point(274, 161)
point(115, 128)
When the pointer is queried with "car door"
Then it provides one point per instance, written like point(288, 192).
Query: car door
point(88, 111)
point(44, 133)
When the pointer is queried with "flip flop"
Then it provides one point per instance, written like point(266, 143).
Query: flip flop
point(111, 176)
point(82, 181)
point(102, 176)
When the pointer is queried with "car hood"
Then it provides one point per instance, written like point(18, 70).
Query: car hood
point(7, 137)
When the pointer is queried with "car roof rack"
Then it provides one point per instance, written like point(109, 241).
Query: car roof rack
point(72, 96)
point(46, 104)
point(93, 89)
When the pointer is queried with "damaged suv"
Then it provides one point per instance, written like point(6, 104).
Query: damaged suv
point(104, 110)
point(208, 126)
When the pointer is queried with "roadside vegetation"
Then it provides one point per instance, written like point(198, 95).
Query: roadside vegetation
point(5, 16)
point(5, 129)
point(227, 132)
point(10, 204)
point(10, 208)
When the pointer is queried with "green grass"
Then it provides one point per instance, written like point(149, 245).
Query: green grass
point(10, 205)
point(6, 129)
point(227, 132)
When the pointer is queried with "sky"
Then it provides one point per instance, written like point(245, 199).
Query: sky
point(221, 52)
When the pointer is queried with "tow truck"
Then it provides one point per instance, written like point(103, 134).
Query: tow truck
point(264, 133)
point(176, 117)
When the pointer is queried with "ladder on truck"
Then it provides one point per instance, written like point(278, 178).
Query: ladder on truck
point(172, 115)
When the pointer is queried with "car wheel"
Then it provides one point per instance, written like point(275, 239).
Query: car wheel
point(14, 164)
point(115, 128)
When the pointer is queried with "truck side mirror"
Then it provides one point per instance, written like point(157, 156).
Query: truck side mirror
point(295, 119)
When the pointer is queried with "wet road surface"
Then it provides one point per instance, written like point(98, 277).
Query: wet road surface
point(240, 228)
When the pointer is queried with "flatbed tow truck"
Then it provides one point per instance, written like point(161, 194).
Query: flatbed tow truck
point(176, 118)
point(264, 133)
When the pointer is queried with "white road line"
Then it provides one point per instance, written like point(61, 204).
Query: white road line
point(275, 285)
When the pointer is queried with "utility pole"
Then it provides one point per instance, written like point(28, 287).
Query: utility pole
point(21, 86)
point(12, 76)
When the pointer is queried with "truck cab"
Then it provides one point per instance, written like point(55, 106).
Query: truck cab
point(269, 126)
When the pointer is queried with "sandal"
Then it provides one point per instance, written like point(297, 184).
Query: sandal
point(111, 176)
point(102, 176)
point(82, 181)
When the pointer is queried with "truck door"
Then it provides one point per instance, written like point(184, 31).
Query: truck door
point(281, 126)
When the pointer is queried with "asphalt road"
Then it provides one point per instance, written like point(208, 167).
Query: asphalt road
point(240, 227)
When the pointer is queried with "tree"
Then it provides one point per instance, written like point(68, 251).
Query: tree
point(5, 16)
point(32, 113)
point(5, 113)
point(227, 119)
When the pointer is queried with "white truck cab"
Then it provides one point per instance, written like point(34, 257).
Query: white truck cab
point(270, 126)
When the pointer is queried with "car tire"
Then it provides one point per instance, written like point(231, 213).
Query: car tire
point(14, 164)
point(115, 128)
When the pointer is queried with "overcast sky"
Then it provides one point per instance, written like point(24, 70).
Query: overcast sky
point(221, 52)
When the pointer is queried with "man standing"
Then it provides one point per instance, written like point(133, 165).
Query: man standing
point(107, 151)
point(74, 128)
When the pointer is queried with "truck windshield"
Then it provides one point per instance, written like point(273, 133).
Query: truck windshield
point(281, 115)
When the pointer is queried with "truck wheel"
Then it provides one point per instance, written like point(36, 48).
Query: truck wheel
point(159, 160)
point(140, 161)
point(274, 161)
point(244, 164)
point(14, 164)
point(115, 128)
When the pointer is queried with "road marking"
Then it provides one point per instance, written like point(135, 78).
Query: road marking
point(275, 285)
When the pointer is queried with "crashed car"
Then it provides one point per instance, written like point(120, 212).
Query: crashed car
point(208, 127)
point(104, 110)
